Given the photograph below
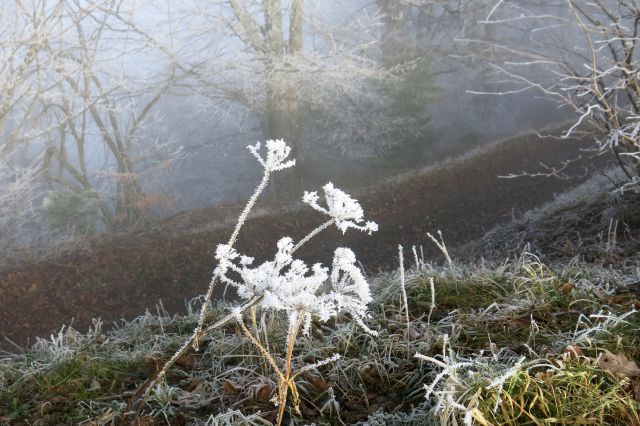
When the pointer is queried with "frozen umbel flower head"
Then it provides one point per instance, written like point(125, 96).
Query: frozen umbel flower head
point(346, 211)
point(277, 153)
point(290, 285)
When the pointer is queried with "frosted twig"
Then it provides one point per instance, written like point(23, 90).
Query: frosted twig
point(415, 257)
point(402, 287)
point(433, 299)
point(443, 248)
point(312, 234)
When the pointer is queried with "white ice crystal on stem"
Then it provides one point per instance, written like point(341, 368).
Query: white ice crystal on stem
point(285, 283)
point(290, 285)
point(277, 153)
point(346, 211)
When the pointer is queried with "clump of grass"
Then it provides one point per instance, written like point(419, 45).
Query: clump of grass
point(500, 389)
point(568, 393)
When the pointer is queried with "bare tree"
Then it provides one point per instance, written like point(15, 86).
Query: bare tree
point(26, 27)
point(583, 55)
point(78, 107)
point(95, 100)
point(300, 70)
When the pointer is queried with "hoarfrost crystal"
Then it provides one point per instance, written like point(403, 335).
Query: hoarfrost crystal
point(289, 284)
point(277, 153)
point(346, 211)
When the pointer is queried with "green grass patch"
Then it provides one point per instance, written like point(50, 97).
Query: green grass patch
point(574, 394)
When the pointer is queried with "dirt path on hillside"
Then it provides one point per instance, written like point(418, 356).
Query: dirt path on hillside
point(119, 277)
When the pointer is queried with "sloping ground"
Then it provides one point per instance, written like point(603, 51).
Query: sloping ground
point(504, 343)
point(121, 276)
point(596, 221)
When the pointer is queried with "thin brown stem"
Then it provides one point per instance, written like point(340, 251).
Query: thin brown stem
point(261, 348)
point(288, 382)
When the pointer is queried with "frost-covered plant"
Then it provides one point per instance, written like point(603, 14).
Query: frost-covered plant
point(450, 387)
point(287, 284)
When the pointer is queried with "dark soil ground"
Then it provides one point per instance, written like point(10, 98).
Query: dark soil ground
point(118, 277)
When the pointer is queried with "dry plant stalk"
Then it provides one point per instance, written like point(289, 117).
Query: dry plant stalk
point(285, 283)
point(443, 248)
point(403, 287)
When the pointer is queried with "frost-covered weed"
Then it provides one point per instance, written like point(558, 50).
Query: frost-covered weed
point(67, 342)
point(287, 284)
point(450, 388)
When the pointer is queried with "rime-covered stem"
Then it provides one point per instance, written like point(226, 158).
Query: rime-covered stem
point(433, 299)
point(402, 286)
point(192, 339)
point(287, 383)
point(203, 310)
point(241, 219)
point(312, 234)
point(443, 248)
point(261, 348)
point(254, 321)
point(249, 206)
point(232, 315)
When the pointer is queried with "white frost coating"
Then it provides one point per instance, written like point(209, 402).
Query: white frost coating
point(225, 254)
point(346, 211)
point(288, 284)
point(285, 283)
point(277, 153)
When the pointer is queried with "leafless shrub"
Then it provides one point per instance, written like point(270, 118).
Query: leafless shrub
point(582, 55)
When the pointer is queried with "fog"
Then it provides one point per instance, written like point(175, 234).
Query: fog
point(115, 114)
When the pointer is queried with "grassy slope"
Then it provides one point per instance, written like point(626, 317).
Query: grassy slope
point(521, 341)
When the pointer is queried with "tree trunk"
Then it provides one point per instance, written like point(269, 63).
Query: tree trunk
point(282, 121)
point(282, 114)
point(130, 213)
point(282, 117)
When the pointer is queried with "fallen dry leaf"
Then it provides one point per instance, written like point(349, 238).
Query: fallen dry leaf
point(573, 352)
point(617, 365)
point(545, 375)
point(187, 362)
point(317, 382)
point(601, 295)
point(369, 374)
point(567, 287)
point(231, 388)
point(264, 394)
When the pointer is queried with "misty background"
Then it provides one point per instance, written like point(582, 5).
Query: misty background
point(114, 114)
